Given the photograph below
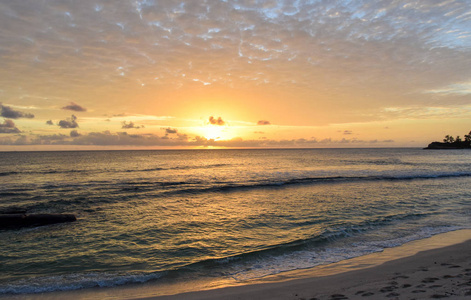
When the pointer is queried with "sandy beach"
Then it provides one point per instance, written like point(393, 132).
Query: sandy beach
point(431, 274)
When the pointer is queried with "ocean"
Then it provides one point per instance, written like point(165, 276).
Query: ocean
point(233, 215)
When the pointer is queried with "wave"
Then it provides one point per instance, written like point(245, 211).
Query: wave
point(87, 171)
point(116, 191)
point(16, 194)
point(8, 173)
point(323, 238)
point(274, 183)
point(42, 172)
point(331, 253)
point(326, 248)
point(199, 186)
point(74, 282)
point(210, 166)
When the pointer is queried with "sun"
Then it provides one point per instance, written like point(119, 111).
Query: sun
point(214, 132)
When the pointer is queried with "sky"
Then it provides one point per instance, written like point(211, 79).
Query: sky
point(94, 74)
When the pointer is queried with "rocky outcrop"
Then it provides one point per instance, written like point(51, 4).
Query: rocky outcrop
point(19, 220)
point(454, 145)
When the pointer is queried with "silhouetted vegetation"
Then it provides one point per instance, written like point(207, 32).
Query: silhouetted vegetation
point(450, 142)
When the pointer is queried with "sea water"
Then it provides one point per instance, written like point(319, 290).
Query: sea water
point(174, 216)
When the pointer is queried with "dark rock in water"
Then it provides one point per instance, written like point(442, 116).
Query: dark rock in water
point(15, 220)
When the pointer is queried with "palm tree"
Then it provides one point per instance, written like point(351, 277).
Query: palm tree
point(448, 139)
point(467, 137)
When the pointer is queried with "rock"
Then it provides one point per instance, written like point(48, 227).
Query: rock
point(19, 220)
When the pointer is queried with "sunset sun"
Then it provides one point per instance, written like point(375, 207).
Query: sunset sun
point(214, 132)
point(215, 128)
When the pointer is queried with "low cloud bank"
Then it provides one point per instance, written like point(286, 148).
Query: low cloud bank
point(170, 139)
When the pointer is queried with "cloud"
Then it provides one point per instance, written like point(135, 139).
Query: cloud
point(74, 133)
point(463, 88)
point(74, 107)
point(263, 122)
point(8, 126)
point(219, 121)
point(182, 136)
point(175, 134)
point(69, 122)
point(49, 122)
point(347, 132)
point(8, 112)
point(48, 139)
point(129, 125)
point(426, 112)
point(107, 138)
point(170, 130)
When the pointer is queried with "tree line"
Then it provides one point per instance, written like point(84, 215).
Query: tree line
point(451, 140)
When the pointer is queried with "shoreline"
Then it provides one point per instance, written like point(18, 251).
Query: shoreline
point(432, 267)
point(436, 272)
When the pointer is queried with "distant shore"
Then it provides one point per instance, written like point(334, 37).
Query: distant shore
point(445, 146)
point(436, 267)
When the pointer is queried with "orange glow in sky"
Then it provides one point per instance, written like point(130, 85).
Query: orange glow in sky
point(278, 73)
